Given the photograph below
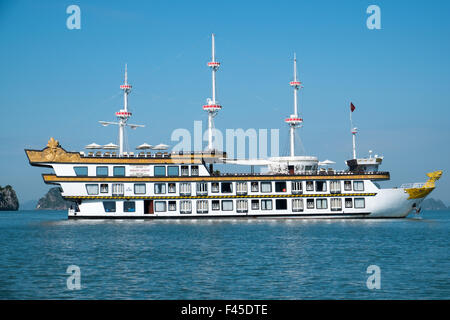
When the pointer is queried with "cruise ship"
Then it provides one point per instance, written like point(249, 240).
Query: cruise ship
point(117, 184)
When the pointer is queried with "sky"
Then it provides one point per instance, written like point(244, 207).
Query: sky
point(57, 82)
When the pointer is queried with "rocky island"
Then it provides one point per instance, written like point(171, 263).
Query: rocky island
point(53, 201)
point(8, 199)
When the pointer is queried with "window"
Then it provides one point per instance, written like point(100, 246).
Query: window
point(102, 171)
point(92, 189)
point(194, 170)
point(160, 206)
point(281, 204)
point(185, 188)
point(336, 204)
point(321, 186)
point(104, 188)
point(160, 171)
point(296, 187)
point(360, 203)
point(81, 171)
point(227, 187)
point(347, 185)
point(266, 186)
point(119, 171)
point(129, 206)
point(358, 185)
point(227, 205)
point(321, 203)
point(348, 203)
point(335, 186)
point(297, 205)
point(255, 204)
point(117, 189)
point(172, 206)
point(215, 205)
point(185, 171)
point(280, 186)
point(266, 204)
point(255, 186)
point(202, 188)
point(173, 171)
point(242, 206)
point(160, 188)
point(139, 188)
point(214, 187)
point(309, 186)
point(202, 206)
point(172, 187)
point(185, 206)
point(241, 187)
point(310, 203)
point(109, 206)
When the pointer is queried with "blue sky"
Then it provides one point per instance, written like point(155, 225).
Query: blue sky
point(60, 82)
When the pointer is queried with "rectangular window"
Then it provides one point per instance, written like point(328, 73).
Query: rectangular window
point(336, 204)
point(309, 186)
point(255, 204)
point(281, 204)
point(102, 171)
point(280, 186)
point(194, 170)
point(139, 188)
point(160, 171)
point(296, 187)
point(348, 203)
point(119, 171)
point(241, 188)
point(321, 204)
point(185, 171)
point(215, 187)
point(185, 206)
point(117, 189)
point(297, 205)
point(172, 187)
point(104, 188)
point(358, 185)
point(266, 204)
point(227, 187)
point(160, 188)
point(227, 205)
point(109, 206)
point(215, 205)
point(185, 188)
point(360, 203)
point(81, 171)
point(335, 186)
point(202, 206)
point(92, 189)
point(266, 186)
point(242, 206)
point(255, 186)
point(160, 206)
point(321, 186)
point(347, 185)
point(173, 171)
point(129, 206)
point(202, 188)
point(172, 206)
point(310, 203)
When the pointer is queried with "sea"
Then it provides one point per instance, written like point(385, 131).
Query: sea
point(45, 256)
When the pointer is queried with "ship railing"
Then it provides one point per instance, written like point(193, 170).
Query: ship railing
point(412, 185)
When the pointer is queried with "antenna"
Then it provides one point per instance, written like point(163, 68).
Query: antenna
point(294, 121)
point(123, 114)
point(212, 106)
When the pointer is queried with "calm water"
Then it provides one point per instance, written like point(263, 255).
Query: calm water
point(269, 259)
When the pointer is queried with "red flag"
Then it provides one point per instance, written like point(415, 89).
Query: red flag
point(352, 107)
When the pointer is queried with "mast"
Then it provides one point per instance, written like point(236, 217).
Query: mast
point(213, 106)
point(294, 121)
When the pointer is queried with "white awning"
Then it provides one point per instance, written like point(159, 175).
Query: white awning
point(326, 162)
point(144, 146)
point(111, 146)
point(160, 146)
point(93, 146)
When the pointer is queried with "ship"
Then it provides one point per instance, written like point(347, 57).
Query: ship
point(118, 184)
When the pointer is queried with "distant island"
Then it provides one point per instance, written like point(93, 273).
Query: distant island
point(53, 201)
point(8, 199)
point(433, 204)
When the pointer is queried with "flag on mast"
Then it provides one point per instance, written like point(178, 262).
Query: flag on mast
point(352, 107)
